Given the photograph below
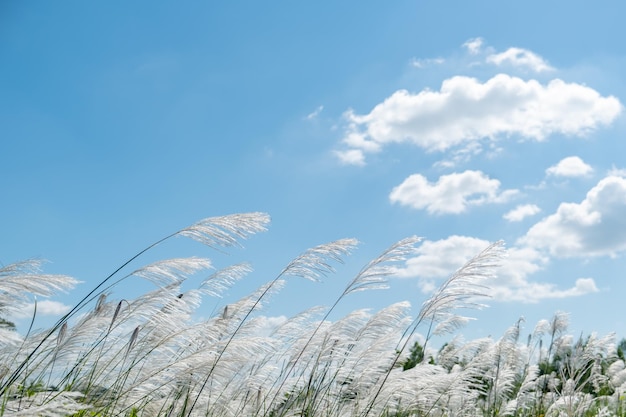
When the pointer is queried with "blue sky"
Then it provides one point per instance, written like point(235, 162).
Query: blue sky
point(461, 122)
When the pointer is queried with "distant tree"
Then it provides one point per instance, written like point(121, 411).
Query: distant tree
point(416, 356)
point(7, 324)
point(621, 349)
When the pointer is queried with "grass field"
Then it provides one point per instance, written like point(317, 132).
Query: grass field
point(149, 357)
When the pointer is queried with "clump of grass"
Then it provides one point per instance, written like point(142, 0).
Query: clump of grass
point(148, 356)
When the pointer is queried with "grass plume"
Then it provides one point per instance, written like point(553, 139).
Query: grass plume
point(151, 356)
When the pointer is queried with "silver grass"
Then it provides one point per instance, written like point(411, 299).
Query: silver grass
point(215, 231)
point(458, 291)
point(542, 327)
point(154, 333)
point(315, 262)
point(617, 373)
point(295, 326)
point(393, 316)
point(373, 353)
point(227, 230)
point(374, 274)
point(449, 323)
point(311, 265)
point(574, 405)
point(426, 389)
point(20, 280)
point(63, 404)
point(172, 271)
point(463, 287)
point(132, 341)
point(223, 279)
point(148, 353)
point(8, 339)
point(246, 307)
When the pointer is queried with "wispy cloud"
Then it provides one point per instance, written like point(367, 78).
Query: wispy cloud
point(572, 166)
point(451, 194)
point(314, 113)
point(473, 46)
point(351, 157)
point(265, 325)
point(518, 57)
point(44, 308)
point(426, 62)
point(465, 111)
point(534, 292)
point(520, 212)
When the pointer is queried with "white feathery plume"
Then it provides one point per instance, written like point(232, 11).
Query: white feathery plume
point(226, 230)
point(296, 326)
point(238, 317)
point(20, 279)
point(8, 338)
point(171, 271)
point(62, 404)
point(617, 373)
point(393, 316)
point(449, 322)
point(458, 291)
point(374, 274)
point(215, 231)
point(464, 286)
point(315, 262)
point(223, 279)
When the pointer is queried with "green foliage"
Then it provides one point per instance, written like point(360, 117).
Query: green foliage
point(7, 324)
point(621, 349)
point(416, 356)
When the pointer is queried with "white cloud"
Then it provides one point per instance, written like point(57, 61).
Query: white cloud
point(426, 62)
point(452, 193)
point(519, 213)
point(474, 45)
point(437, 260)
point(265, 325)
point(44, 308)
point(534, 292)
point(616, 172)
point(465, 111)
point(572, 166)
point(518, 57)
point(594, 227)
point(315, 113)
point(351, 157)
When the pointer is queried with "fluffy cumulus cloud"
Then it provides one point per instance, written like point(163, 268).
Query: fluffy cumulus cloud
point(518, 57)
point(572, 166)
point(451, 194)
point(437, 260)
point(594, 227)
point(466, 110)
point(520, 212)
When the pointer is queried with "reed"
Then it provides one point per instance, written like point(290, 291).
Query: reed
point(148, 356)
